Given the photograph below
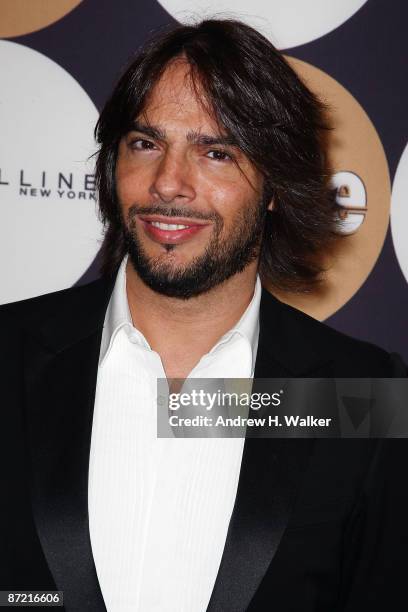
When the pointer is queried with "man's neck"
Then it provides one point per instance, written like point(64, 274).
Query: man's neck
point(182, 331)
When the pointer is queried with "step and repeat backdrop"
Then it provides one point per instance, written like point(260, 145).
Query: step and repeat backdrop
point(60, 59)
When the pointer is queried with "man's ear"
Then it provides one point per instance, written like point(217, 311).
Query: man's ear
point(271, 205)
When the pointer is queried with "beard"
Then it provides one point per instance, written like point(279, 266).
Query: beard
point(224, 256)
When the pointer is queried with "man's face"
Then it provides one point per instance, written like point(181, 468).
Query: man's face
point(190, 199)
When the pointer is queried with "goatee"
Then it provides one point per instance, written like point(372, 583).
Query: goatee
point(223, 257)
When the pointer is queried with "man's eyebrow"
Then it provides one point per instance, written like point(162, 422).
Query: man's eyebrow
point(192, 137)
point(208, 140)
point(148, 130)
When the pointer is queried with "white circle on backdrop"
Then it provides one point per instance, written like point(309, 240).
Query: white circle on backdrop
point(399, 213)
point(287, 23)
point(49, 229)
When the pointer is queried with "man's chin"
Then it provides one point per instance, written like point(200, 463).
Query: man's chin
point(174, 287)
point(176, 255)
point(167, 273)
point(170, 279)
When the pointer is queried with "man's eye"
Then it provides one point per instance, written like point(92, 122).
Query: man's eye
point(219, 155)
point(140, 144)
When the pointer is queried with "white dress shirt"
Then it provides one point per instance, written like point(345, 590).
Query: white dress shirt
point(159, 509)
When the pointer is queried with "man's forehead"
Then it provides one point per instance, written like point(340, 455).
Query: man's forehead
point(179, 96)
point(178, 107)
point(178, 79)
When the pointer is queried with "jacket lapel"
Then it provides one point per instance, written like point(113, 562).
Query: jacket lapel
point(271, 469)
point(61, 371)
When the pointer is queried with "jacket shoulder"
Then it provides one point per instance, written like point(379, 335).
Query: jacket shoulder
point(351, 357)
point(32, 311)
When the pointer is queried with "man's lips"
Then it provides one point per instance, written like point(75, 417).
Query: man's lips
point(167, 230)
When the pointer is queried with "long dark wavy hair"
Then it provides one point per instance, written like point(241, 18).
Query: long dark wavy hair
point(277, 122)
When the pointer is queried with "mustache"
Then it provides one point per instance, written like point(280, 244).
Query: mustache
point(171, 211)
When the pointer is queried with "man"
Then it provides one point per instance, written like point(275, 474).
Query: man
point(210, 170)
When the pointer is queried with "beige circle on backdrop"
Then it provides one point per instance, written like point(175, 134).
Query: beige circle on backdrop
point(18, 17)
point(357, 159)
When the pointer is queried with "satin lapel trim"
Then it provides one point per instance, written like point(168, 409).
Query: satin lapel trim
point(270, 475)
point(60, 399)
point(271, 471)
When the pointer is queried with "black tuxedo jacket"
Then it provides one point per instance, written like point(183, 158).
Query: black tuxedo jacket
point(318, 525)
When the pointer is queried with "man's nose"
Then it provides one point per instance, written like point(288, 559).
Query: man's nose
point(173, 179)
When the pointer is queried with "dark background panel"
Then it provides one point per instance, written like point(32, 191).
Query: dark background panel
point(97, 39)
